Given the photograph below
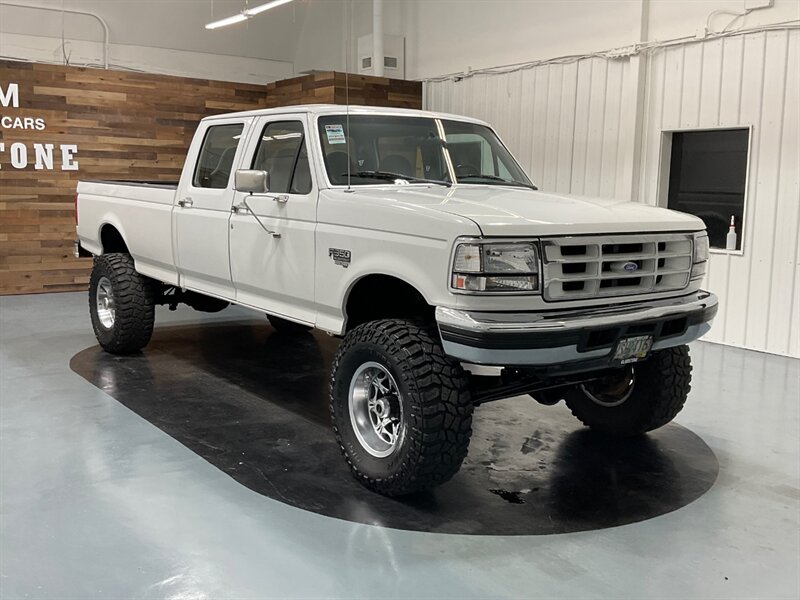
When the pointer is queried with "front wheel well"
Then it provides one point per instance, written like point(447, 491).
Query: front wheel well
point(384, 297)
point(112, 241)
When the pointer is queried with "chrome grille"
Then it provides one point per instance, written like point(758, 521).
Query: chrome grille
point(601, 266)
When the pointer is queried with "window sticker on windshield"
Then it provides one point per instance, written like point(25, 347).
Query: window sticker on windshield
point(335, 134)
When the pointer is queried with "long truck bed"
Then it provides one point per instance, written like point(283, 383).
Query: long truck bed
point(141, 211)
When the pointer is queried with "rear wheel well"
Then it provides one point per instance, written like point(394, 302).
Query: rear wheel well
point(112, 241)
point(385, 297)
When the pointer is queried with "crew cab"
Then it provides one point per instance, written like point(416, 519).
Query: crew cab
point(418, 239)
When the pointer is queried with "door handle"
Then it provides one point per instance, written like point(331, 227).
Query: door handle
point(239, 208)
point(186, 203)
point(282, 199)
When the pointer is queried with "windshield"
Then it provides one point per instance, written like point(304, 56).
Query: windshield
point(479, 156)
point(381, 149)
point(375, 149)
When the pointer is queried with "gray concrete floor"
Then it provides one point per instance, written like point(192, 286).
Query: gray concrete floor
point(95, 502)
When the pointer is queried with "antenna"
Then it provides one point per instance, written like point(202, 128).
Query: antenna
point(348, 49)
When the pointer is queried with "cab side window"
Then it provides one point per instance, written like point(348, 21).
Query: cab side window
point(215, 162)
point(282, 153)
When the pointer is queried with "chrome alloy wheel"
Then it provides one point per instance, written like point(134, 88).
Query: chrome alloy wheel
point(611, 390)
point(104, 297)
point(376, 410)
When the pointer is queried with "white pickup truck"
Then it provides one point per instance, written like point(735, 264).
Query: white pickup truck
point(417, 238)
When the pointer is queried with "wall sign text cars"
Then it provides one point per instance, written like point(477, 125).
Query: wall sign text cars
point(40, 156)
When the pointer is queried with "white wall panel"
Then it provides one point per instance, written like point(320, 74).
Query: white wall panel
point(570, 125)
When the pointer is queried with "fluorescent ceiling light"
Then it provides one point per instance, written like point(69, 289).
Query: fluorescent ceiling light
point(251, 12)
point(227, 21)
point(246, 14)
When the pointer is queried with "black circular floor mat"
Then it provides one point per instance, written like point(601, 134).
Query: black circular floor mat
point(253, 402)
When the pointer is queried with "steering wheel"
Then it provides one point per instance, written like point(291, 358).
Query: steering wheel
point(465, 170)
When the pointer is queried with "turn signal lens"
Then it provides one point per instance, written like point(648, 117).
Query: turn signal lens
point(700, 248)
point(472, 283)
point(700, 256)
point(483, 283)
point(468, 258)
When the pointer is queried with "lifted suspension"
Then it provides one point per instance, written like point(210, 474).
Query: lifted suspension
point(516, 383)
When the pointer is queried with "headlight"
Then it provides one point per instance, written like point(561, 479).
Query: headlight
point(700, 256)
point(496, 267)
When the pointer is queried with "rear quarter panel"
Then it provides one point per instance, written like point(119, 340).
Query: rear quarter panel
point(141, 214)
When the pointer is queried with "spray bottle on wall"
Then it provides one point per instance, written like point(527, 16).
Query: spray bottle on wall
point(730, 240)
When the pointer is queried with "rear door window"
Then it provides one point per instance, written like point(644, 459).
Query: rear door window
point(215, 162)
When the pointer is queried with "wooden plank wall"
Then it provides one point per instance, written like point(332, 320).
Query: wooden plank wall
point(125, 126)
point(332, 87)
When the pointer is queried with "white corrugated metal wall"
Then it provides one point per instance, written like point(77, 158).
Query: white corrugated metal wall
point(572, 127)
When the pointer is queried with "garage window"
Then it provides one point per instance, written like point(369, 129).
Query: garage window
point(707, 175)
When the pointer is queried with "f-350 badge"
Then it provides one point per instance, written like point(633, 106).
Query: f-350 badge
point(340, 257)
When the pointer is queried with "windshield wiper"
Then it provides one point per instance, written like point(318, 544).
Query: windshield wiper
point(497, 179)
point(387, 175)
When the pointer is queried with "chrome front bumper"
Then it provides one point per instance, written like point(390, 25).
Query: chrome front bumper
point(577, 336)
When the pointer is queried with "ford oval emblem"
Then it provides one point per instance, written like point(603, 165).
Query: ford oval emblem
point(630, 267)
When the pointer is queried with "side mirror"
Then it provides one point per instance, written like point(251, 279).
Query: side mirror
point(251, 181)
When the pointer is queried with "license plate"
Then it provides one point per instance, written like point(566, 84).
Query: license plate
point(633, 349)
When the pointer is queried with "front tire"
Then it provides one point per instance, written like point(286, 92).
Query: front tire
point(638, 398)
point(121, 304)
point(401, 409)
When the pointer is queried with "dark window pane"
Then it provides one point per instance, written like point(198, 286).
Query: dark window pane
point(281, 152)
point(707, 177)
point(215, 161)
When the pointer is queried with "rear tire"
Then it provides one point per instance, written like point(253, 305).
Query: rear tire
point(638, 399)
point(286, 326)
point(121, 304)
point(424, 400)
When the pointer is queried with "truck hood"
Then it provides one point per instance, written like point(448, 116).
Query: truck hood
point(505, 211)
